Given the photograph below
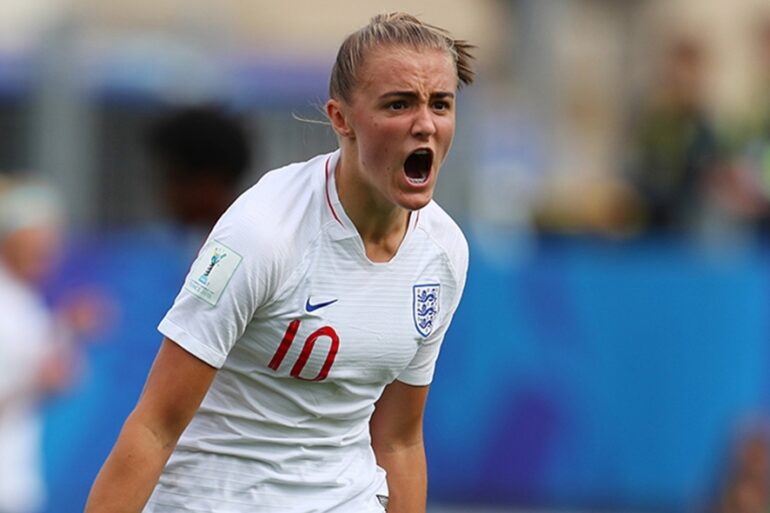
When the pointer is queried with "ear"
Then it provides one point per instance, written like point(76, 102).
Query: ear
point(336, 111)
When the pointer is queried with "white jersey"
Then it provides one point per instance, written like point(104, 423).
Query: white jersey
point(306, 332)
point(26, 339)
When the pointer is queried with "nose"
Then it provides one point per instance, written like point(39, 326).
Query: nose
point(423, 125)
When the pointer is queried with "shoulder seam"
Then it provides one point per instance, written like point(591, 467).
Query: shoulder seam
point(444, 254)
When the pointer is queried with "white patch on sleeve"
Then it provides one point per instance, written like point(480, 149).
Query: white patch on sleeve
point(212, 271)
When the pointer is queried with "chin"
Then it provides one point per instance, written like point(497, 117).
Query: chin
point(415, 202)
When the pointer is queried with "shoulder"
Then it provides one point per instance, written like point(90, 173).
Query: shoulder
point(445, 234)
point(271, 225)
point(285, 190)
point(282, 206)
point(291, 179)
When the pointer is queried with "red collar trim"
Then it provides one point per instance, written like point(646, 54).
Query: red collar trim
point(331, 207)
point(328, 196)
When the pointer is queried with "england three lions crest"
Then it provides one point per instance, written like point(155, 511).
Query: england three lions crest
point(425, 307)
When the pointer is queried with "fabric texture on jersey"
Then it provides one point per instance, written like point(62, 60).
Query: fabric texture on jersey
point(306, 333)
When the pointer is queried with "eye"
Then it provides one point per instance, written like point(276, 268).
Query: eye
point(397, 105)
point(441, 105)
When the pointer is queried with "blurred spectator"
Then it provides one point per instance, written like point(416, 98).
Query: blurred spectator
point(674, 145)
point(202, 155)
point(36, 357)
point(744, 190)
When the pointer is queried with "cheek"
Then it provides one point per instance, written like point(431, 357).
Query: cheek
point(447, 126)
point(446, 131)
point(377, 140)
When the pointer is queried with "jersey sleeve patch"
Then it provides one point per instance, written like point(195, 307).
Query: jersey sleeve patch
point(211, 272)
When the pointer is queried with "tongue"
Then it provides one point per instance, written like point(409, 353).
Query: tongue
point(417, 165)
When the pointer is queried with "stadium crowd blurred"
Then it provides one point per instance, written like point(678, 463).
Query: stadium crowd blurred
point(626, 122)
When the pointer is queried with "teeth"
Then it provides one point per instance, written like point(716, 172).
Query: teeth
point(417, 166)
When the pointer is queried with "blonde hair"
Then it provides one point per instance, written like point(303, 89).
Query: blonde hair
point(394, 29)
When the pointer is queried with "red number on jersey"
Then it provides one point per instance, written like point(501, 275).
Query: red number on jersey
point(307, 349)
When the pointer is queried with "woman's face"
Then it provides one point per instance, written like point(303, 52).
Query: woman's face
point(400, 123)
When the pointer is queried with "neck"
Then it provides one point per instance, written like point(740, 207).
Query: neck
point(380, 224)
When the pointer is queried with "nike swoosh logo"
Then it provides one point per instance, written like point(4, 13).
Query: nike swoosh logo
point(312, 307)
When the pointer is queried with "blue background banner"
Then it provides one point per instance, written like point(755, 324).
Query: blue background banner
point(578, 372)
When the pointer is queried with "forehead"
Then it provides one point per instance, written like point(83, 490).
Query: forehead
point(399, 68)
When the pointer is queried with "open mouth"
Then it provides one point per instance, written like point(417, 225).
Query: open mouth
point(417, 166)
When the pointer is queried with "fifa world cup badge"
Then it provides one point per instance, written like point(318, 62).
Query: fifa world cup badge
point(425, 307)
point(212, 271)
point(215, 259)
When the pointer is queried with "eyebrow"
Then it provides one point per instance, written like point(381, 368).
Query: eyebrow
point(411, 94)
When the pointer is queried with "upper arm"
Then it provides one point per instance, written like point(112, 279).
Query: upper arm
point(175, 387)
point(398, 416)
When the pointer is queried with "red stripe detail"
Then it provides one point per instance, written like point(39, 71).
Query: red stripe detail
point(288, 338)
point(328, 197)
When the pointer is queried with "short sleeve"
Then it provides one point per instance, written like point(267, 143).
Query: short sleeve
point(420, 370)
point(231, 277)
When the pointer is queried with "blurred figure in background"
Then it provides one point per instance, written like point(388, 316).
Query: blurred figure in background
point(674, 144)
point(202, 154)
point(36, 354)
point(744, 191)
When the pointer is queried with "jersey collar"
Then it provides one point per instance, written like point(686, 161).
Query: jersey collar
point(343, 227)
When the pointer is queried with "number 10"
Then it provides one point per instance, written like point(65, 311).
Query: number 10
point(288, 339)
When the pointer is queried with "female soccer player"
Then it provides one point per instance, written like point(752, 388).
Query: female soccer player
point(298, 354)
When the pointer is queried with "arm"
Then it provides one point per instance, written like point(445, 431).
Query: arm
point(175, 387)
point(396, 429)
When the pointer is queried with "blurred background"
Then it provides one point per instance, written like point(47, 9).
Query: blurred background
point(611, 170)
